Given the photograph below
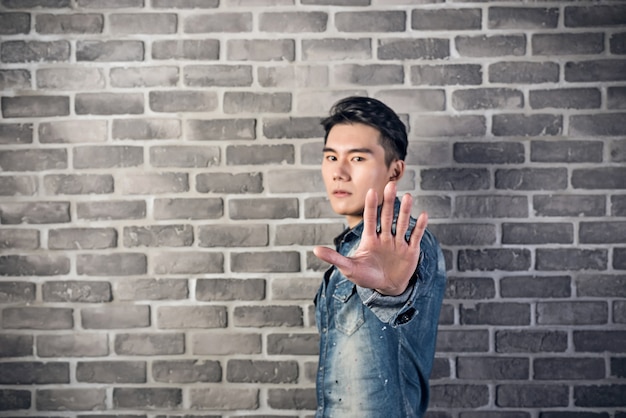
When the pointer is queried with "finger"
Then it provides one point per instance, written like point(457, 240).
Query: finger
point(386, 214)
point(418, 231)
point(370, 213)
point(404, 216)
point(333, 257)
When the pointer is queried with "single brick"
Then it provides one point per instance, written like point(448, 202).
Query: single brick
point(566, 151)
point(491, 45)
point(465, 341)
point(18, 133)
point(568, 369)
point(118, 264)
point(107, 156)
point(27, 239)
point(492, 313)
point(184, 156)
point(260, 154)
point(192, 208)
point(527, 125)
point(263, 208)
point(146, 344)
point(146, 128)
point(595, 70)
point(519, 72)
point(35, 106)
point(221, 129)
point(34, 373)
point(71, 399)
point(567, 44)
point(226, 343)
point(618, 43)
point(111, 371)
point(294, 288)
point(73, 131)
point(536, 287)
point(530, 341)
point(572, 313)
point(292, 399)
point(602, 232)
point(369, 75)
point(188, 262)
point(261, 371)
point(600, 396)
point(336, 49)
point(601, 124)
point(448, 126)
point(186, 49)
point(488, 98)
point(267, 316)
point(571, 259)
point(34, 213)
point(522, 17)
point(218, 76)
point(306, 234)
point(115, 317)
point(447, 74)
point(371, 21)
point(491, 207)
point(218, 22)
point(446, 19)
point(229, 183)
point(265, 262)
point(531, 179)
point(34, 51)
point(14, 23)
point(142, 23)
point(158, 236)
point(18, 186)
point(532, 395)
point(186, 371)
point(569, 205)
point(470, 288)
point(150, 289)
point(292, 77)
point(616, 97)
point(82, 23)
point(182, 101)
point(598, 285)
point(414, 100)
point(76, 344)
point(599, 341)
point(110, 51)
point(230, 289)
point(76, 291)
point(34, 265)
point(261, 50)
point(292, 128)
point(189, 317)
point(618, 205)
point(565, 99)
point(401, 48)
point(597, 15)
point(493, 368)
point(599, 178)
point(111, 210)
point(464, 234)
point(15, 345)
point(224, 398)
point(109, 104)
point(14, 399)
point(37, 318)
point(491, 259)
point(78, 184)
point(246, 102)
point(296, 181)
point(14, 80)
point(469, 396)
point(162, 76)
point(147, 398)
point(489, 152)
point(233, 236)
point(293, 22)
point(152, 183)
point(33, 159)
point(293, 344)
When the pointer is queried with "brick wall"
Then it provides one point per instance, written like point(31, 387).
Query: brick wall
point(160, 199)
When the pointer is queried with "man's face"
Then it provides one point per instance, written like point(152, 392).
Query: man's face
point(354, 162)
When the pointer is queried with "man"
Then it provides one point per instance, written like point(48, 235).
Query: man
point(378, 306)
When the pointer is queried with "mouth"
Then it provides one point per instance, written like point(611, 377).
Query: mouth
point(341, 193)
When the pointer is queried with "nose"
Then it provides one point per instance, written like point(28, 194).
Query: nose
point(340, 172)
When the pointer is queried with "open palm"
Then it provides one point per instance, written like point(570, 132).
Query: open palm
point(384, 261)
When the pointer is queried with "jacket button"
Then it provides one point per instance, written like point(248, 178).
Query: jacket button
point(406, 317)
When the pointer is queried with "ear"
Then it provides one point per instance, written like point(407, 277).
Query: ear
point(396, 170)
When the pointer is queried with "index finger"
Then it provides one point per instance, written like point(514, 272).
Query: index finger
point(418, 230)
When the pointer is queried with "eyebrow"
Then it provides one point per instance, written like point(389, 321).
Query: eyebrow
point(351, 151)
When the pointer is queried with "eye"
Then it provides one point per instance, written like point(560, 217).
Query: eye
point(331, 158)
point(358, 158)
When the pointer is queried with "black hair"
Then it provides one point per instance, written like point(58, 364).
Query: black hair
point(372, 112)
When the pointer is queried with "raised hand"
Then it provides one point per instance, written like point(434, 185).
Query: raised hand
point(384, 261)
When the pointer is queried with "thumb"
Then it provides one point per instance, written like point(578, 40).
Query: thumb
point(333, 257)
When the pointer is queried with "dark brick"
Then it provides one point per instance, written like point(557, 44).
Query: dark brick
point(495, 314)
point(599, 178)
point(596, 15)
point(76, 291)
point(15, 133)
point(447, 126)
point(536, 287)
point(527, 125)
point(14, 23)
point(35, 106)
point(18, 185)
point(293, 344)
point(37, 318)
point(109, 51)
point(375, 21)
point(146, 344)
point(17, 79)
point(292, 399)
point(566, 151)
point(401, 48)
point(530, 341)
point(470, 288)
point(618, 43)
point(618, 205)
point(616, 98)
point(261, 371)
point(188, 317)
point(158, 236)
point(115, 316)
point(596, 70)
point(76, 344)
point(34, 265)
point(455, 395)
point(186, 371)
point(567, 44)
point(489, 152)
point(584, 98)
point(491, 207)
point(600, 396)
point(602, 232)
point(12, 292)
point(233, 236)
point(619, 258)
point(263, 208)
point(144, 23)
point(600, 341)
point(455, 179)
point(524, 72)
point(572, 313)
point(491, 46)
point(221, 129)
point(448, 74)
point(33, 160)
point(111, 210)
point(14, 399)
point(611, 124)
point(446, 19)
point(192, 208)
point(464, 234)
point(72, 23)
point(569, 205)
point(537, 233)
point(267, 316)
point(293, 22)
point(465, 341)
point(34, 51)
point(292, 128)
point(487, 98)
point(491, 259)
point(522, 18)
point(111, 371)
point(78, 184)
point(568, 368)
point(107, 156)
point(600, 285)
point(571, 259)
point(531, 179)
point(34, 373)
point(618, 367)
point(147, 398)
point(188, 262)
point(15, 345)
point(186, 49)
point(532, 396)
point(493, 368)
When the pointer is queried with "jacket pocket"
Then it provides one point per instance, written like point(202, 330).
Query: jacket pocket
point(349, 315)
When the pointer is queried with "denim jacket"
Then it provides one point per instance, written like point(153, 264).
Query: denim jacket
point(376, 352)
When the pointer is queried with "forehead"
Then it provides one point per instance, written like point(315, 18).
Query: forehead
point(353, 136)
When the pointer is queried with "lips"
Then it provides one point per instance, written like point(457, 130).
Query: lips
point(341, 193)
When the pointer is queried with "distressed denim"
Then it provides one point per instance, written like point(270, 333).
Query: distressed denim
point(376, 352)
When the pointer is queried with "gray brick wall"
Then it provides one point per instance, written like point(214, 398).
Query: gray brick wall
point(160, 199)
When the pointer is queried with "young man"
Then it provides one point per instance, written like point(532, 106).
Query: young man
point(378, 306)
